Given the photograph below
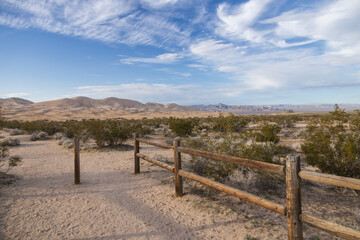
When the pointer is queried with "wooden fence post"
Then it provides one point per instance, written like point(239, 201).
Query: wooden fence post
point(293, 198)
point(136, 150)
point(76, 160)
point(177, 166)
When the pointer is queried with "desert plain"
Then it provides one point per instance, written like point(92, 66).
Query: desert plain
point(41, 201)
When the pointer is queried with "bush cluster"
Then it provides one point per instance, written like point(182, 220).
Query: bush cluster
point(235, 145)
point(230, 123)
point(181, 126)
point(268, 133)
point(332, 146)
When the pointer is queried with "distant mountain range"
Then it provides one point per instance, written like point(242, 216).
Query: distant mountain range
point(86, 103)
point(253, 109)
point(84, 107)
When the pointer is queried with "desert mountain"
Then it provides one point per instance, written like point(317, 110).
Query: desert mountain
point(85, 102)
point(14, 102)
point(84, 107)
point(253, 109)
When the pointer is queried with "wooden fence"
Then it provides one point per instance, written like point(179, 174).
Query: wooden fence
point(291, 170)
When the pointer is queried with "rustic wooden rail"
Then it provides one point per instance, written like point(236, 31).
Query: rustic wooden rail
point(292, 172)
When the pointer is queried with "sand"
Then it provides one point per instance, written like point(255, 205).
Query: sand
point(113, 203)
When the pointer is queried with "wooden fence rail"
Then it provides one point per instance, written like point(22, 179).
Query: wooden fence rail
point(331, 179)
point(292, 172)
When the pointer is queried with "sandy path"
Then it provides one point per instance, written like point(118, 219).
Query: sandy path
point(114, 203)
point(111, 202)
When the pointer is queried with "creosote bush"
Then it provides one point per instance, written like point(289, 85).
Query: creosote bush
point(268, 133)
point(230, 123)
point(181, 126)
point(109, 132)
point(332, 146)
point(239, 145)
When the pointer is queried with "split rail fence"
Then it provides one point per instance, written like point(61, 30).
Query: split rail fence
point(291, 170)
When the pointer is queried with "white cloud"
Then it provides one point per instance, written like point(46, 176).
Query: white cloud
point(278, 69)
point(140, 91)
point(13, 95)
point(335, 23)
point(165, 58)
point(214, 53)
point(115, 21)
point(236, 22)
point(158, 3)
point(198, 66)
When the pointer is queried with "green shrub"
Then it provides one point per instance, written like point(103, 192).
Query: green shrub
point(72, 128)
point(268, 133)
point(332, 146)
point(181, 126)
point(109, 132)
point(230, 123)
point(50, 127)
point(234, 145)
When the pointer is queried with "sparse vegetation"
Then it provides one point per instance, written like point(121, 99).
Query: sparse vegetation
point(332, 141)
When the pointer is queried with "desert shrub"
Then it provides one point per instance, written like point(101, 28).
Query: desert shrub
point(109, 132)
point(181, 126)
point(234, 145)
point(50, 127)
point(230, 123)
point(67, 143)
point(38, 136)
point(10, 124)
point(6, 160)
point(140, 127)
point(15, 131)
point(72, 128)
point(285, 121)
point(332, 146)
point(268, 133)
point(10, 142)
point(216, 170)
point(58, 135)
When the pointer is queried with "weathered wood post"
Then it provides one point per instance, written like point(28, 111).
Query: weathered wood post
point(177, 166)
point(293, 198)
point(77, 160)
point(136, 150)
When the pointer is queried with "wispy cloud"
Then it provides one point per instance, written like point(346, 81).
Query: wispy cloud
point(254, 47)
point(19, 95)
point(273, 70)
point(141, 91)
point(258, 54)
point(158, 3)
point(236, 22)
point(166, 58)
point(112, 21)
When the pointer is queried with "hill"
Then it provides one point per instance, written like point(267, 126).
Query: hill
point(85, 108)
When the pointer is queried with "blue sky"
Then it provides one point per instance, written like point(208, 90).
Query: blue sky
point(183, 51)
